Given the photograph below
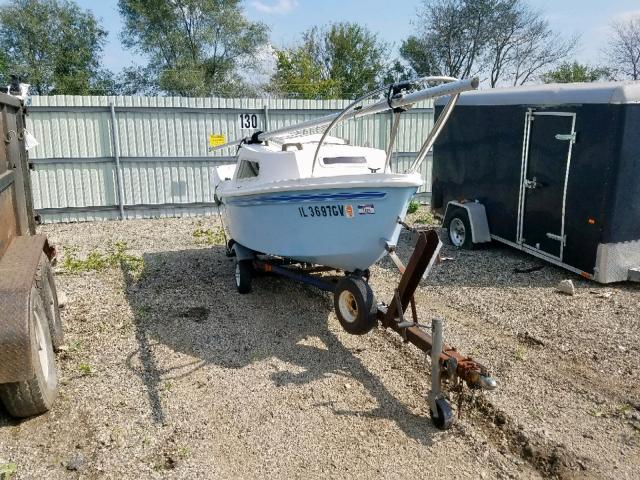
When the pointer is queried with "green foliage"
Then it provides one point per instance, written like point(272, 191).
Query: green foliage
point(342, 60)
point(504, 40)
point(85, 369)
point(7, 470)
point(576, 72)
point(53, 45)
point(425, 218)
point(194, 47)
point(97, 261)
point(208, 235)
point(413, 206)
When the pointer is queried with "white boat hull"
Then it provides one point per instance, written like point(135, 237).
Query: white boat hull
point(344, 228)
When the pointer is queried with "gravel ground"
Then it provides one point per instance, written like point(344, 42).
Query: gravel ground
point(169, 373)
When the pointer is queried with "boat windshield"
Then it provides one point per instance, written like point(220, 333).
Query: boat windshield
point(343, 160)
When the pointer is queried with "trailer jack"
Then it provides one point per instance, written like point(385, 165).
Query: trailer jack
point(447, 364)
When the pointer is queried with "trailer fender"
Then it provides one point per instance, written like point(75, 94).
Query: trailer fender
point(477, 216)
point(18, 268)
point(242, 253)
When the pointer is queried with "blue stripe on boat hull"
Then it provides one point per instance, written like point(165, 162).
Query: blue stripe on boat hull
point(297, 198)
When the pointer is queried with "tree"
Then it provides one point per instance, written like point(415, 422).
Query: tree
point(576, 72)
point(194, 47)
point(503, 39)
point(624, 47)
point(342, 60)
point(53, 45)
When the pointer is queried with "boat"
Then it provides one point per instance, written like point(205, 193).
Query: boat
point(317, 201)
point(315, 198)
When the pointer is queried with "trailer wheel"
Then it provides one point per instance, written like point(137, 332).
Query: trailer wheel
point(460, 231)
point(45, 283)
point(34, 396)
point(244, 272)
point(444, 420)
point(355, 305)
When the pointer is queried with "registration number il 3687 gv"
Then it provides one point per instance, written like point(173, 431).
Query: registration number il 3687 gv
point(335, 210)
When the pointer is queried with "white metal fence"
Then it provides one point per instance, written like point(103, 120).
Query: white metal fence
point(157, 149)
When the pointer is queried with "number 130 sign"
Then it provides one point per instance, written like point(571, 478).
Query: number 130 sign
point(248, 121)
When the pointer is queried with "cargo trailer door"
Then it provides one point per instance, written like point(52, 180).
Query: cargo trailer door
point(546, 158)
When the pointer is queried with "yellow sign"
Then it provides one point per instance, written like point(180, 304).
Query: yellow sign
point(216, 140)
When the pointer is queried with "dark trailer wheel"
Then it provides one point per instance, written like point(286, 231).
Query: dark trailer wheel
point(355, 305)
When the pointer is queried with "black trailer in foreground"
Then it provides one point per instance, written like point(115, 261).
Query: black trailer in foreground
point(553, 170)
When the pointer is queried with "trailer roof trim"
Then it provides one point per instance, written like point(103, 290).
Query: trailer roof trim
point(554, 94)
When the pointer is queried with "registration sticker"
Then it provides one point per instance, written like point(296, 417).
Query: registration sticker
point(367, 209)
point(348, 211)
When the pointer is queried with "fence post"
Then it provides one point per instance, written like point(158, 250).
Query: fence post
point(267, 120)
point(115, 135)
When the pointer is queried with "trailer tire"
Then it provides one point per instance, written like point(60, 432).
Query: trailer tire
point(355, 305)
point(34, 396)
point(46, 285)
point(459, 230)
point(243, 275)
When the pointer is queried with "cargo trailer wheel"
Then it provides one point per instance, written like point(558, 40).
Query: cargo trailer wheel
point(244, 272)
point(460, 231)
point(445, 418)
point(34, 396)
point(355, 305)
point(46, 285)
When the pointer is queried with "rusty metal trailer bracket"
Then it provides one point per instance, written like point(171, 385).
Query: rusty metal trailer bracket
point(447, 362)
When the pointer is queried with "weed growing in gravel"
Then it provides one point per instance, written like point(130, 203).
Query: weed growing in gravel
point(413, 206)
point(85, 369)
point(519, 354)
point(425, 217)
point(96, 261)
point(184, 451)
point(7, 470)
point(208, 235)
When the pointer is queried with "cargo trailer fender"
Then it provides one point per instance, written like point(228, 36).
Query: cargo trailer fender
point(477, 216)
point(18, 267)
point(242, 253)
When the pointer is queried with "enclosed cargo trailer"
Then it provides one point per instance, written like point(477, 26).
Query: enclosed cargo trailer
point(553, 170)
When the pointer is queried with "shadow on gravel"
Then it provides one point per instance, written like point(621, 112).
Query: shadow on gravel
point(187, 301)
point(495, 265)
point(7, 420)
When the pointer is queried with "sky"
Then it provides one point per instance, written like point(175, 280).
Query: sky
point(392, 20)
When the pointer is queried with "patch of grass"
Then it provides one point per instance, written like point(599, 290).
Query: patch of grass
point(143, 311)
point(96, 261)
point(519, 354)
point(425, 217)
point(184, 451)
point(85, 369)
point(167, 386)
point(76, 346)
point(209, 236)
point(7, 470)
point(596, 412)
point(413, 206)
point(624, 409)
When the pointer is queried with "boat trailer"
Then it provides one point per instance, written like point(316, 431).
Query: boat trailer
point(448, 366)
